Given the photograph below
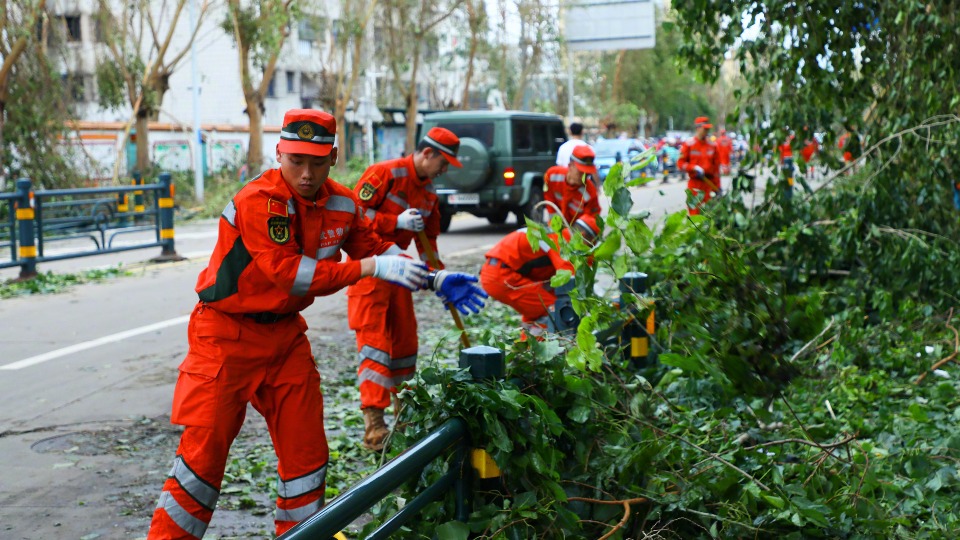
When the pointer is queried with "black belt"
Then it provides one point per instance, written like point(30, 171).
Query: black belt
point(266, 317)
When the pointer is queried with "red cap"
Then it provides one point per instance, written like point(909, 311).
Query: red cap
point(444, 141)
point(582, 159)
point(307, 131)
point(586, 225)
point(702, 121)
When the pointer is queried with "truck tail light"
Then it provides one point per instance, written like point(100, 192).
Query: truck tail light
point(509, 176)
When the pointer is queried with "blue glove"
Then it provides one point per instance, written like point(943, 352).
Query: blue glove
point(457, 289)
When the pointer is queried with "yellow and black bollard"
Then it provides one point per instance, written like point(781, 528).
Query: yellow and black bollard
point(635, 339)
point(27, 253)
point(164, 200)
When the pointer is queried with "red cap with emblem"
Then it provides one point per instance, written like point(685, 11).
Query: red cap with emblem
point(307, 131)
point(702, 121)
point(582, 158)
point(444, 141)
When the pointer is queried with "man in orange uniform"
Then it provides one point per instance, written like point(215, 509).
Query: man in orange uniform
point(519, 275)
point(399, 198)
point(566, 189)
point(278, 248)
point(724, 149)
point(700, 159)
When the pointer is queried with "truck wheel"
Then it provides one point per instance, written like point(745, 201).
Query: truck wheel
point(445, 218)
point(498, 218)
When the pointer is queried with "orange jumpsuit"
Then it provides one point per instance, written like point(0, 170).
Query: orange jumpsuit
point(518, 275)
point(382, 313)
point(724, 148)
point(695, 152)
point(275, 252)
point(572, 201)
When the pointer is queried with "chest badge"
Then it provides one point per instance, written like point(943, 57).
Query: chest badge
point(366, 191)
point(278, 228)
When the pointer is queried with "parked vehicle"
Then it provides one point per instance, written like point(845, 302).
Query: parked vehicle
point(504, 156)
point(612, 151)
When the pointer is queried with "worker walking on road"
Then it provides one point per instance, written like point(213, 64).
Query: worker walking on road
point(700, 159)
point(572, 190)
point(278, 248)
point(399, 198)
point(518, 275)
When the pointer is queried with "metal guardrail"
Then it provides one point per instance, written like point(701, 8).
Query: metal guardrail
point(37, 218)
point(484, 363)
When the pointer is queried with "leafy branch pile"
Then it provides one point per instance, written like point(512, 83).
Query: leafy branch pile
point(787, 399)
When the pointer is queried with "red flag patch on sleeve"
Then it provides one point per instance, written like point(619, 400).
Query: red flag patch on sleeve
point(277, 208)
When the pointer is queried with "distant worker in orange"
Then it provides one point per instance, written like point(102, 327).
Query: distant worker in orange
point(278, 248)
point(724, 150)
point(398, 196)
point(811, 147)
point(567, 189)
point(519, 275)
point(700, 159)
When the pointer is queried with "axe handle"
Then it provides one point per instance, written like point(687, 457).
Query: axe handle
point(435, 262)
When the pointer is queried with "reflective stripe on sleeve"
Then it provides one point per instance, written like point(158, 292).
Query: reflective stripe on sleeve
point(399, 172)
point(370, 213)
point(393, 250)
point(398, 201)
point(299, 514)
point(375, 354)
point(230, 214)
point(181, 517)
point(291, 206)
point(327, 252)
point(305, 271)
point(196, 487)
point(288, 489)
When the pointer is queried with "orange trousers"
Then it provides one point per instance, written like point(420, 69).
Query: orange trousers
point(701, 193)
point(530, 298)
point(382, 316)
point(233, 361)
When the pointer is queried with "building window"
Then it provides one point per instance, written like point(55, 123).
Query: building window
point(271, 88)
point(76, 86)
point(72, 24)
point(291, 80)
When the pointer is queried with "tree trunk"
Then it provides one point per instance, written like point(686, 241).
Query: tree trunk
point(3, 155)
point(474, 34)
point(618, 77)
point(143, 142)
point(412, 103)
point(255, 147)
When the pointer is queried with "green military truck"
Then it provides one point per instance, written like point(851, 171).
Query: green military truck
point(504, 156)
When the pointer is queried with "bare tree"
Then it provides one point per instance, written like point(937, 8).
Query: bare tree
point(537, 26)
point(477, 22)
point(409, 24)
point(260, 30)
point(17, 23)
point(138, 36)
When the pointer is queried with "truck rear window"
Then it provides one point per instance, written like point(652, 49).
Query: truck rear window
point(480, 132)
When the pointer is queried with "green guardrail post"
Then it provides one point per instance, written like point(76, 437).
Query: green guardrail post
point(164, 202)
point(27, 253)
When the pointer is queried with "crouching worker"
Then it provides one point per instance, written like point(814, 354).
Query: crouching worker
point(518, 275)
point(278, 248)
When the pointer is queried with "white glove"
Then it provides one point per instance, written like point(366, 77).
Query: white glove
point(698, 170)
point(410, 219)
point(400, 270)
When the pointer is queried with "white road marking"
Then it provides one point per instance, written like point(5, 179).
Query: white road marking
point(113, 338)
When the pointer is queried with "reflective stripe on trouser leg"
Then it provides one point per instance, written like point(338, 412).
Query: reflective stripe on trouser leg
point(290, 401)
point(385, 322)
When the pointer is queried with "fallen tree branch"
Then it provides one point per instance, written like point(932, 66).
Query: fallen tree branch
point(802, 441)
point(626, 511)
point(949, 358)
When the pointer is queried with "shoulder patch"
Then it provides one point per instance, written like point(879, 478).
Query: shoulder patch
point(278, 228)
point(366, 191)
point(277, 208)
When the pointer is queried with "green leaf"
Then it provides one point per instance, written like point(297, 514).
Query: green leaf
point(918, 413)
point(609, 247)
point(685, 363)
point(453, 530)
point(561, 278)
point(622, 202)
